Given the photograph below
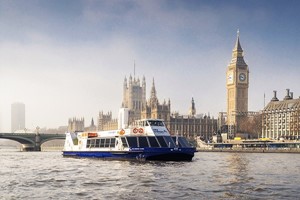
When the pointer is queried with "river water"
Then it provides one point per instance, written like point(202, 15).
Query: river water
point(211, 175)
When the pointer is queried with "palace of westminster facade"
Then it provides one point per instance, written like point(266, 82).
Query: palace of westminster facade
point(134, 99)
point(278, 119)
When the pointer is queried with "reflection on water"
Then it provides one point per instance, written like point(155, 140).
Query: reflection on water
point(238, 167)
point(47, 175)
point(239, 181)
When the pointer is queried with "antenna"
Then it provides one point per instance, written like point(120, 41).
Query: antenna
point(134, 69)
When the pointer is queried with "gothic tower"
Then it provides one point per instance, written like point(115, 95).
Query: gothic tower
point(237, 82)
point(153, 109)
point(134, 96)
point(153, 98)
point(192, 111)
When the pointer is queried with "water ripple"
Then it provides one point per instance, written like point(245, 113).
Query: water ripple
point(47, 175)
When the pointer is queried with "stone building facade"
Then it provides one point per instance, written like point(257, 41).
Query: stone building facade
point(92, 127)
point(134, 97)
point(153, 109)
point(106, 122)
point(281, 119)
point(193, 126)
point(75, 125)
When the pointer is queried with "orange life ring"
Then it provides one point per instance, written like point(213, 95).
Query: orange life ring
point(122, 132)
point(141, 130)
point(135, 130)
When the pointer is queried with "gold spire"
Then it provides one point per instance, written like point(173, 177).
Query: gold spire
point(237, 52)
point(237, 46)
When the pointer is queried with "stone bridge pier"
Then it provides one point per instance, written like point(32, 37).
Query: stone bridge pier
point(36, 146)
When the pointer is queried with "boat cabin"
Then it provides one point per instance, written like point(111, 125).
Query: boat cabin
point(138, 142)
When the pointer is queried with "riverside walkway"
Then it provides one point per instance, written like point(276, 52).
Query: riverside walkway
point(251, 146)
point(249, 150)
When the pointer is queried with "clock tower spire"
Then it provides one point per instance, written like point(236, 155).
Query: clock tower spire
point(237, 84)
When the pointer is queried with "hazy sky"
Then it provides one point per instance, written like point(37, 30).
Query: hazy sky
point(69, 58)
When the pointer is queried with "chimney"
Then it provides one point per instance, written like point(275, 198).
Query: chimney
point(287, 97)
point(292, 95)
point(275, 96)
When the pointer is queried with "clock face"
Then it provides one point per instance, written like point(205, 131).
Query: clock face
point(230, 78)
point(242, 77)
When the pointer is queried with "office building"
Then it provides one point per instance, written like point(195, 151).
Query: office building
point(17, 117)
point(281, 119)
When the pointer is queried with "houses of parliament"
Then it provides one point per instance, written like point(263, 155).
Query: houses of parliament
point(278, 119)
point(191, 124)
point(134, 99)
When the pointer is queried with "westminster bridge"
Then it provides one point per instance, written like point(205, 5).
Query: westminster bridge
point(32, 141)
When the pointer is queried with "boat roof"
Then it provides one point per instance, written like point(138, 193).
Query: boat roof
point(150, 119)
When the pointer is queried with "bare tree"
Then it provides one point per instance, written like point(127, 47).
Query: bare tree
point(251, 124)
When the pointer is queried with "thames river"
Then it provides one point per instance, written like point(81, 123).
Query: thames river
point(47, 175)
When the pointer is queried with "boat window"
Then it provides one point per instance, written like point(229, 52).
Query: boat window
point(102, 141)
point(132, 141)
point(143, 142)
point(92, 143)
point(107, 142)
point(174, 139)
point(124, 142)
point(97, 143)
point(153, 142)
point(183, 142)
point(155, 123)
point(88, 143)
point(161, 141)
point(160, 123)
point(112, 142)
point(169, 141)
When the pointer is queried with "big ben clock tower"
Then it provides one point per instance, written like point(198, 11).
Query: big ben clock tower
point(237, 82)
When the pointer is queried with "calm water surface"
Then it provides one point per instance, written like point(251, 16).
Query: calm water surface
point(47, 175)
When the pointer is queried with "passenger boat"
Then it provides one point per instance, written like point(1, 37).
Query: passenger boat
point(147, 139)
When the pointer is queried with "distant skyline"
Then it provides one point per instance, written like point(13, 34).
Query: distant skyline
point(66, 59)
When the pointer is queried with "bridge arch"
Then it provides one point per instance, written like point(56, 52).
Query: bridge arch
point(31, 141)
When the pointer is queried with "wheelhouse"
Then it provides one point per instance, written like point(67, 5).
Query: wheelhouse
point(149, 122)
